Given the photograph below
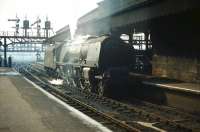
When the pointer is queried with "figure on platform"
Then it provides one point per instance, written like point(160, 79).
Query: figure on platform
point(9, 61)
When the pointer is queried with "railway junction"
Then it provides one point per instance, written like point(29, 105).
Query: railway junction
point(132, 65)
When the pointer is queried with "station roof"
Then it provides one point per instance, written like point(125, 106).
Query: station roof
point(111, 7)
point(137, 10)
point(62, 34)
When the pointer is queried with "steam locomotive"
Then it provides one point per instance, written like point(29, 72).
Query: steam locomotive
point(96, 64)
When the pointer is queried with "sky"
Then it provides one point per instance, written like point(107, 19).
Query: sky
point(59, 12)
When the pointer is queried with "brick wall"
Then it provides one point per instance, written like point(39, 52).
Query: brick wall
point(184, 69)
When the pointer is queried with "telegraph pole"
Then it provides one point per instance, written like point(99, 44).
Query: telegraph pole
point(38, 21)
point(16, 20)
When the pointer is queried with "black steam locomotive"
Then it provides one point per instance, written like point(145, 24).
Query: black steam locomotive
point(96, 64)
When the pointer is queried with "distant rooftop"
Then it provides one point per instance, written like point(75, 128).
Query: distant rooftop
point(64, 29)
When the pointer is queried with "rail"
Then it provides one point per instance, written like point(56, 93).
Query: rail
point(138, 116)
point(82, 106)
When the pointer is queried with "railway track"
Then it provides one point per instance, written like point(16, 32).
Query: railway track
point(173, 120)
point(118, 116)
point(103, 118)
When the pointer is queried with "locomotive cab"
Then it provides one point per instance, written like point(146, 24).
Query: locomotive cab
point(115, 60)
point(115, 53)
point(106, 64)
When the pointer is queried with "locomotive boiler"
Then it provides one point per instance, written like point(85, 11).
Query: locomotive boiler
point(96, 64)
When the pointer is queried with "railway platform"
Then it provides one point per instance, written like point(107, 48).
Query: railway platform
point(191, 88)
point(170, 92)
point(24, 107)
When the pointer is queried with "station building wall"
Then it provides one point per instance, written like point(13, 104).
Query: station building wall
point(176, 46)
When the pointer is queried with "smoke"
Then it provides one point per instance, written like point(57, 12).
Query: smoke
point(97, 22)
point(56, 82)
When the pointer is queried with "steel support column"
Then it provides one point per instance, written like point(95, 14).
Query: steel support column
point(131, 38)
point(146, 34)
point(5, 52)
point(47, 33)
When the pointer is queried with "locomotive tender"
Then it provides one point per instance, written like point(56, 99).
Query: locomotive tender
point(96, 64)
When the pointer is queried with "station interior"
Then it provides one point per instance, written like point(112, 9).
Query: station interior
point(105, 66)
